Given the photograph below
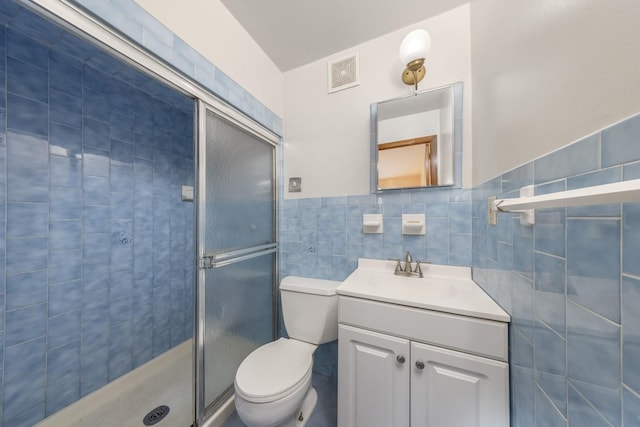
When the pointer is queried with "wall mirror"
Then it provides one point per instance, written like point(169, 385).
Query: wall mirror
point(415, 138)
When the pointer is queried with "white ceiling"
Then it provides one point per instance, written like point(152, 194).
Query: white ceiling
point(296, 32)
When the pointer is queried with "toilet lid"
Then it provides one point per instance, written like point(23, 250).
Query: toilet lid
point(274, 370)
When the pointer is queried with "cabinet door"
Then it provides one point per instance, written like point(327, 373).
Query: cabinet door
point(373, 379)
point(457, 389)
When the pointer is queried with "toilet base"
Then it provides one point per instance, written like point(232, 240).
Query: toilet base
point(308, 405)
point(254, 416)
point(305, 411)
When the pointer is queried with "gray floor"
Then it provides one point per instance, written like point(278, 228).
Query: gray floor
point(326, 412)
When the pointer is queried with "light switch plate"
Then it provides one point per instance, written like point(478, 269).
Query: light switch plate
point(295, 185)
point(187, 193)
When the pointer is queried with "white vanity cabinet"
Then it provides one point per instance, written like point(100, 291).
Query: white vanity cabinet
point(408, 365)
point(420, 352)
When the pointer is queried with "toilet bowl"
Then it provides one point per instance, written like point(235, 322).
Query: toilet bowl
point(273, 384)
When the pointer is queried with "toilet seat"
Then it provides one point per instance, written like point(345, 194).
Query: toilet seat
point(274, 370)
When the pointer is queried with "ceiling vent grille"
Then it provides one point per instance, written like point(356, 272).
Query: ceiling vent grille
point(344, 73)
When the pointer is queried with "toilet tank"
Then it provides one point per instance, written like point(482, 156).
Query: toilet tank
point(310, 309)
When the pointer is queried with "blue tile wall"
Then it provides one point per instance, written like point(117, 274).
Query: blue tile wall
point(138, 25)
point(96, 246)
point(323, 237)
point(574, 293)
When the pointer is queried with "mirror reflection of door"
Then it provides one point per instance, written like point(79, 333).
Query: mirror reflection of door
point(408, 163)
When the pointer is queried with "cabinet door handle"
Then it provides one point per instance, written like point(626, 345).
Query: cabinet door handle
point(420, 364)
point(400, 358)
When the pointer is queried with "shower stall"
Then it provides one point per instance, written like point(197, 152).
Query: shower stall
point(138, 222)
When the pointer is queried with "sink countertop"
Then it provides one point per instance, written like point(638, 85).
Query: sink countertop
point(443, 288)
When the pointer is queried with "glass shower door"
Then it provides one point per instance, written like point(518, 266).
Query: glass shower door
point(237, 253)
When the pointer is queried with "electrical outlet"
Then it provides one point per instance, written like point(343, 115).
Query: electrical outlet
point(492, 213)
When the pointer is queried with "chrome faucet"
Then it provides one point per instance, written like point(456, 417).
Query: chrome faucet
point(407, 261)
point(407, 270)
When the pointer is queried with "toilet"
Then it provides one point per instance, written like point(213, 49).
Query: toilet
point(273, 384)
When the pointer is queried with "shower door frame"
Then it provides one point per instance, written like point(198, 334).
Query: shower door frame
point(81, 22)
point(202, 412)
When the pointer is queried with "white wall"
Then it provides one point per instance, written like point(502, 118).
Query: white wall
point(210, 29)
point(548, 72)
point(326, 136)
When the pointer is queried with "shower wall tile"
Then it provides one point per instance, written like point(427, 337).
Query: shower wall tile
point(63, 329)
point(26, 80)
point(62, 392)
point(94, 371)
point(27, 151)
point(21, 46)
point(63, 360)
point(65, 74)
point(581, 316)
point(23, 395)
point(26, 254)
point(132, 20)
point(27, 185)
point(24, 324)
point(26, 115)
point(66, 140)
point(27, 418)
point(26, 289)
point(92, 157)
point(64, 297)
point(65, 109)
point(35, 26)
point(24, 358)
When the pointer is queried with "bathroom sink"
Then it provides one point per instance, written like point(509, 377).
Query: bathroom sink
point(444, 288)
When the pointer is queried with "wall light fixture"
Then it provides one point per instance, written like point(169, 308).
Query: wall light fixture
point(413, 51)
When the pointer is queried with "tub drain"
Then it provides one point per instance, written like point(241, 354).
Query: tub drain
point(156, 415)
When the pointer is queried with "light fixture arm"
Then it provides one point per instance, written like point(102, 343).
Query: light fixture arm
point(414, 73)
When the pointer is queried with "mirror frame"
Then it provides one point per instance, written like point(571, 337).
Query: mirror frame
point(456, 146)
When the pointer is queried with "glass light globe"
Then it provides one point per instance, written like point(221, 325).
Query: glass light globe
point(415, 45)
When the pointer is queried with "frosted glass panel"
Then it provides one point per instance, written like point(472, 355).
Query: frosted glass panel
point(238, 319)
point(239, 192)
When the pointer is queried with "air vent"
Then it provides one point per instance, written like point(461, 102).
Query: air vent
point(344, 73)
